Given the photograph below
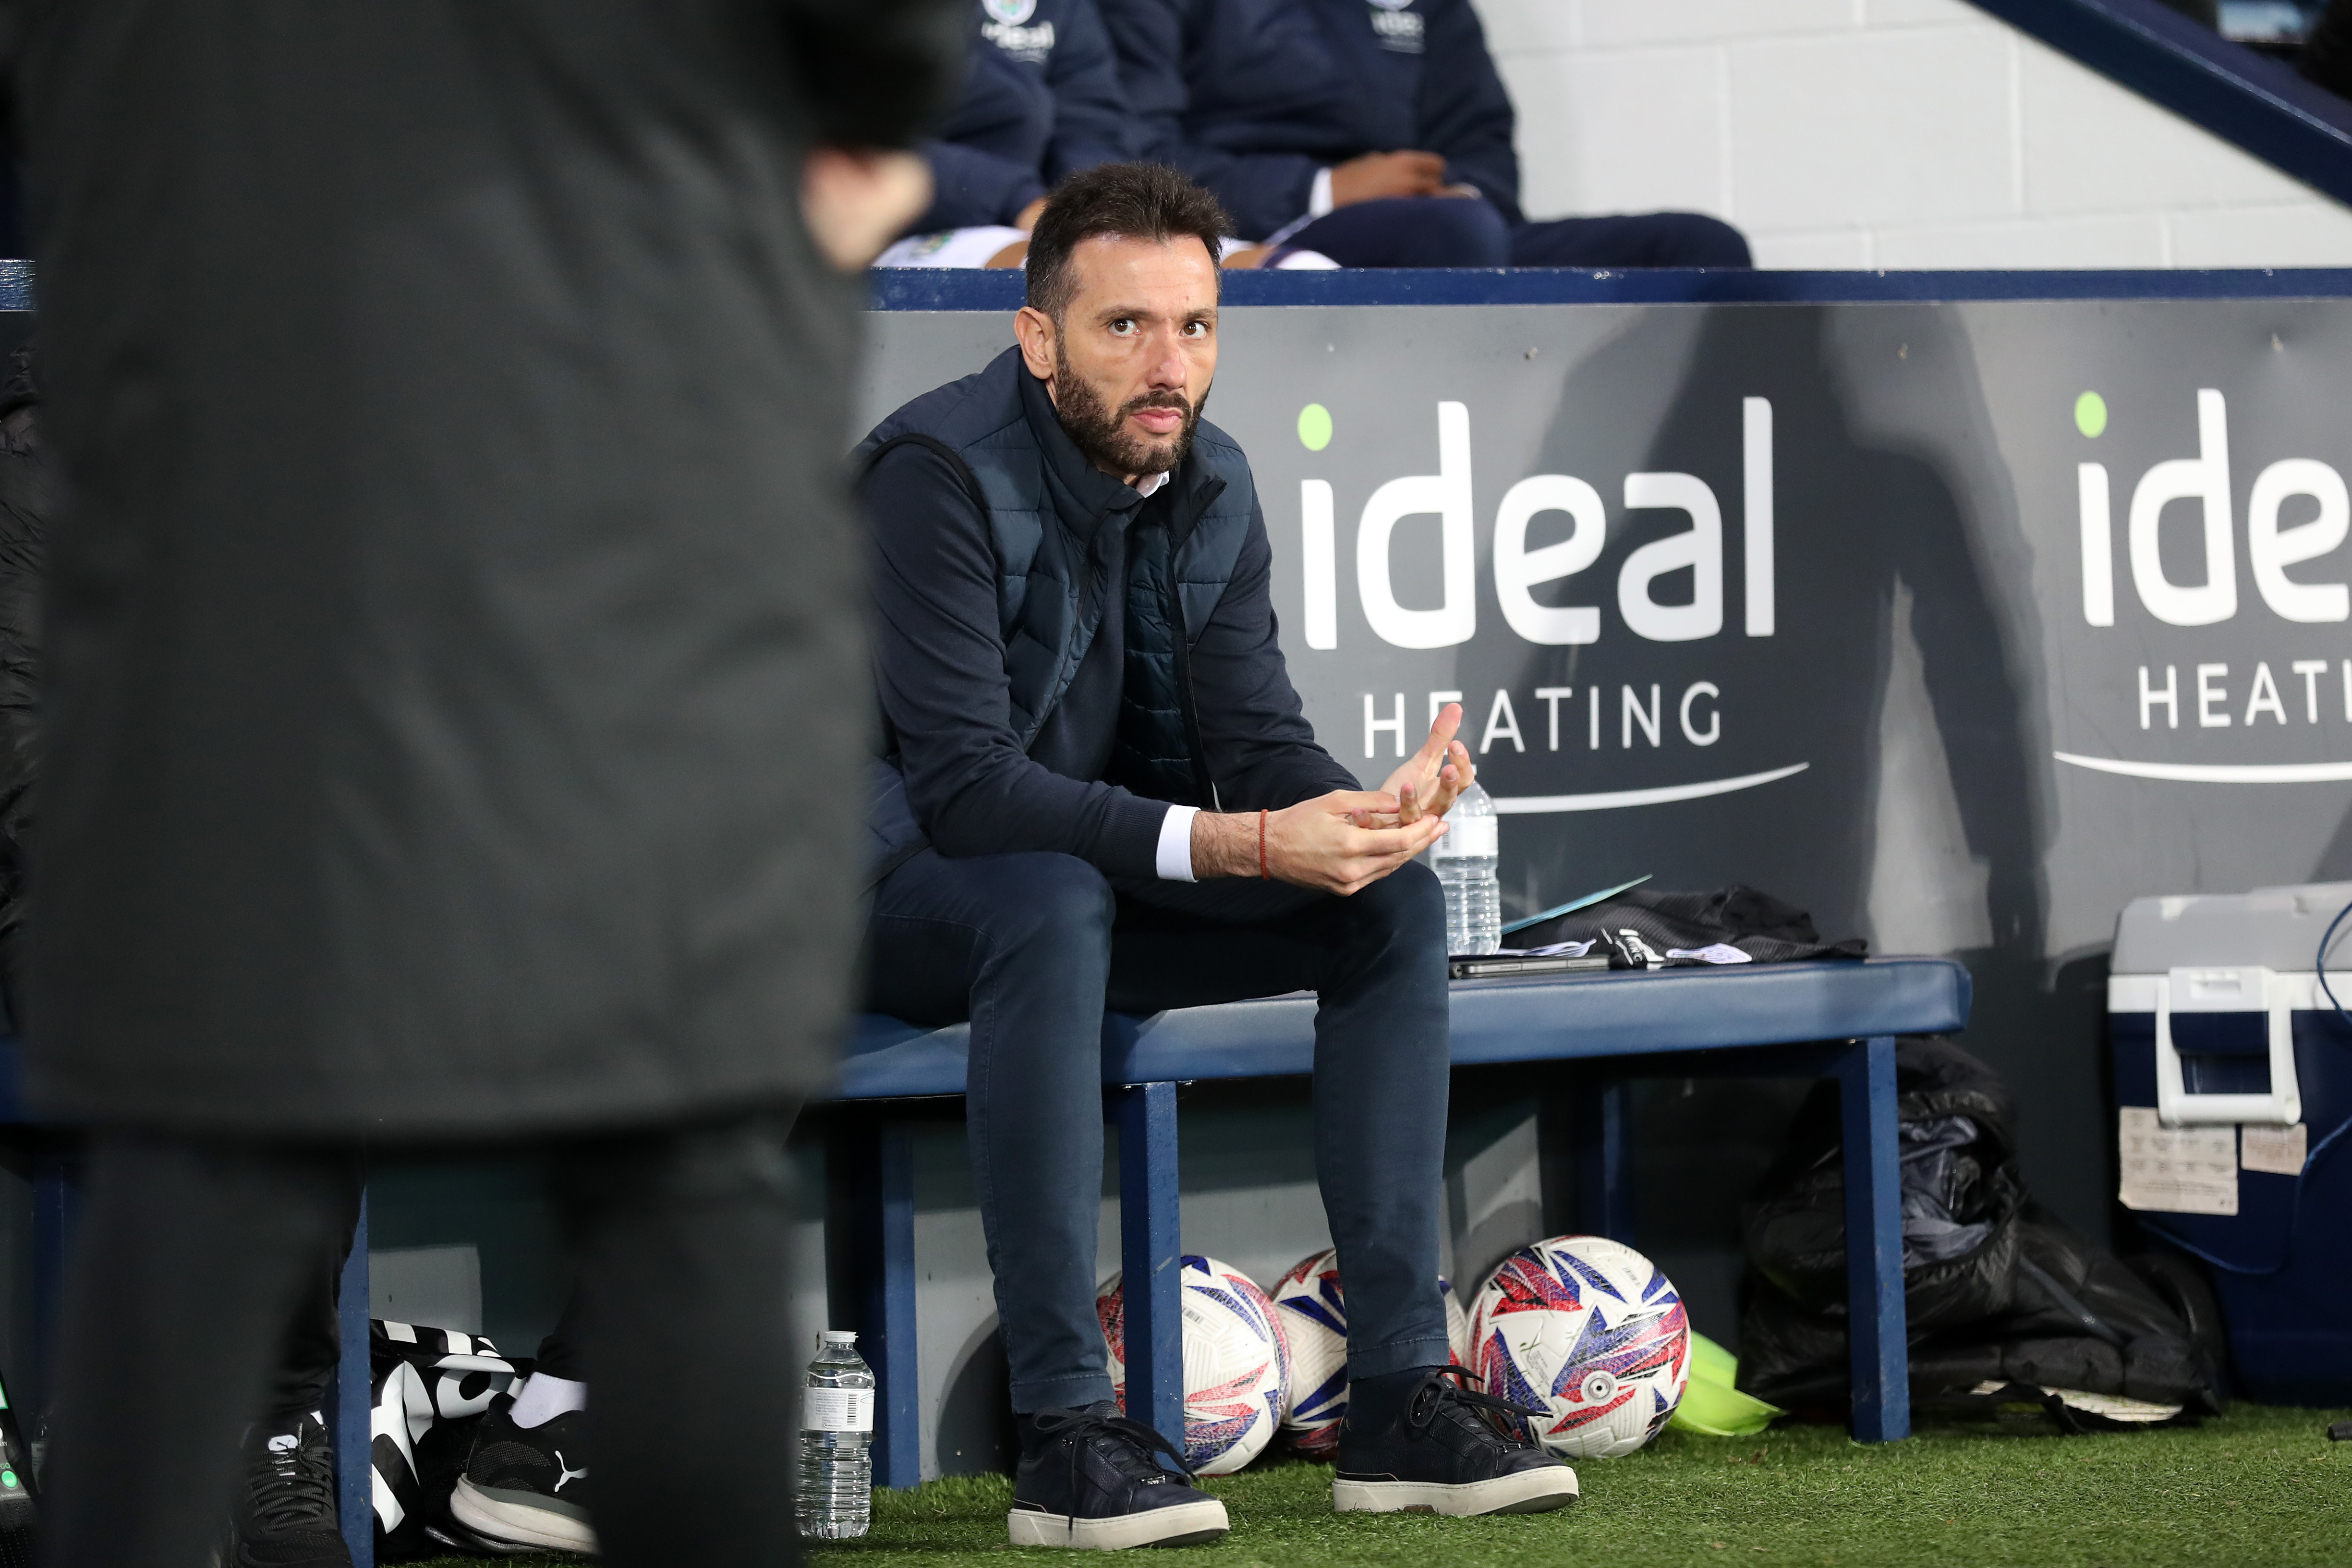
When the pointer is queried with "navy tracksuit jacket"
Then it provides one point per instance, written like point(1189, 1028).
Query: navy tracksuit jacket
point(1252, 97)
point(1042, 100)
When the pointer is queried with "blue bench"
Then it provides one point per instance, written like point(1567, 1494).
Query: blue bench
point(1827, 1020)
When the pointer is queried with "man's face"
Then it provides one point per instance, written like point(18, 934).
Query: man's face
point(1132, 357)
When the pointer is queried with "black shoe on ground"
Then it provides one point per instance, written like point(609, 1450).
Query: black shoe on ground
point(284, 1516)
point(1426, 1445)
point(1088, 1479)
point(527, 1486)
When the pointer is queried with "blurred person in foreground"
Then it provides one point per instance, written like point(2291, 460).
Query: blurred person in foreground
point(1102, 793)
point(454, 683)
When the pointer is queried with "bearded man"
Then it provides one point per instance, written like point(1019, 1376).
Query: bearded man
point(1102, 793)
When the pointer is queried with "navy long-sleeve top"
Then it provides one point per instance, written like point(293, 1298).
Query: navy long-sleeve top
point(940, 663)
point(1252, 97)
point(1042, 101)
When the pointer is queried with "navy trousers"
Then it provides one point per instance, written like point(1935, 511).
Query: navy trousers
point(1033, 948)
point(1463, 231)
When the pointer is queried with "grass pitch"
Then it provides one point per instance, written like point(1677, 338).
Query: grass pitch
point(2255, 1488)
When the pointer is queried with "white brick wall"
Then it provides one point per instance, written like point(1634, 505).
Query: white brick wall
point(1856, 133)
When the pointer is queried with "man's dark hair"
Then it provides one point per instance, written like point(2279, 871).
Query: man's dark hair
point(1133, 201)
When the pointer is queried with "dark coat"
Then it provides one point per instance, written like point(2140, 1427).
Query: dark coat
point(1041, 101)
point(29, 495)
point(1252, 97)
point(985, 612)
point(455, 639)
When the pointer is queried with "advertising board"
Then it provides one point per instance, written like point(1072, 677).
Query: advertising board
point(1955, 624)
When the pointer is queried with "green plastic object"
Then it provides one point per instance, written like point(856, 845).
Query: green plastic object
point(1575, 904)
point(1314, 426)
point(1711, 1406)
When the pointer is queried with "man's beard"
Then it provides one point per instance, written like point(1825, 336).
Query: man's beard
point(1102, 434)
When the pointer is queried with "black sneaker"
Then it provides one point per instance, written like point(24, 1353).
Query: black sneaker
point(284, 1516)
point(1443, 1451)
point(527, 1486)
point(1087, 1479)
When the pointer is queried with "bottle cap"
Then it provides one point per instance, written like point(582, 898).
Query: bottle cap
point(837, 1337)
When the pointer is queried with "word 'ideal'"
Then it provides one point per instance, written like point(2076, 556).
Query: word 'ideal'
point(1447, 495)
point(2205, 479)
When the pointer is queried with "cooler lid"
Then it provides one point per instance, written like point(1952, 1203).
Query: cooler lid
point(2277, 928)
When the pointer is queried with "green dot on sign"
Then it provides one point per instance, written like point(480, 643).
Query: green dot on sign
point(2090, 414)
point(1314, 426)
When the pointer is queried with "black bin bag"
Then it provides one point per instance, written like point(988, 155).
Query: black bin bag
point(2006, 1302)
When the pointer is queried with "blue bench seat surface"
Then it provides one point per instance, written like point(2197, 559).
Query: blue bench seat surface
point(1613, 1013)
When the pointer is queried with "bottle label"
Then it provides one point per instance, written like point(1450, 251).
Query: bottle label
point(1468, 836)
point(838, 1410)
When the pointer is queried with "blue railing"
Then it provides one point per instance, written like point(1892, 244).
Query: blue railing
point(929, 288)
point(2250, 100)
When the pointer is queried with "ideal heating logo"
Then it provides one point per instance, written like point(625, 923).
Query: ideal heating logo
point(1006, 28)
point(1635, 715)
point(2303, 687)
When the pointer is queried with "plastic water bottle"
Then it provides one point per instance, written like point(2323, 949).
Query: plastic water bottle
point(1465, 861)
point(836, 1491)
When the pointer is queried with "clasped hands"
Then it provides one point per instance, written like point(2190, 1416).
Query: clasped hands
point(1346, 840)
point(1384, 176)
point(1374, 177)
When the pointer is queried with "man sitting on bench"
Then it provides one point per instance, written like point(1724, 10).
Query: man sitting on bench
point(1102, 793)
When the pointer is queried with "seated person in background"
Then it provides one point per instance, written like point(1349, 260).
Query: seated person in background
point(1102, 793)
point(1378, 134)
point(1042, 100)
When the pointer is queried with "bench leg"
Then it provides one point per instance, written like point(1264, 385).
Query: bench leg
point(1874, 1243)
point(1151, 1250)
point(1604, 1159)
point(352, 1418)
point(884, 1188)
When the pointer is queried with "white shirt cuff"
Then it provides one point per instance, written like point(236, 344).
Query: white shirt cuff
point(1318, 200)
point(1174, 861)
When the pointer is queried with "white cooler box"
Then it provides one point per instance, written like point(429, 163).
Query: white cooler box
point(2233, 1084)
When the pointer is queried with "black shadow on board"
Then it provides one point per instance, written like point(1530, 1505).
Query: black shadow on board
point(1903, 491)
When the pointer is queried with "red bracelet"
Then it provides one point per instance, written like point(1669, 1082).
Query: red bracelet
point(1262, 875)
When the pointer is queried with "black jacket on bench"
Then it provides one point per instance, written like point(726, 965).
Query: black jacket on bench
point(985, 615)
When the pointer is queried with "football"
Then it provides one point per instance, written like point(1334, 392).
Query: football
point(1236, 1363)
point(1313, 1312)
point(1589, 1331)
point(1314, 1318)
